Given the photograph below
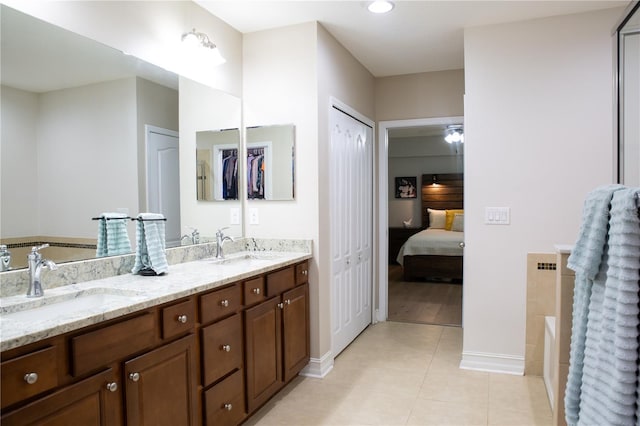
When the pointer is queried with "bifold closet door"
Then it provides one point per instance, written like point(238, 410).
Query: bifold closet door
point(351, 209)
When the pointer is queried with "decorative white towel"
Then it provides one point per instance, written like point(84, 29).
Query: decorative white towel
point(113, 238)
point(150, 241)
point(586, 259)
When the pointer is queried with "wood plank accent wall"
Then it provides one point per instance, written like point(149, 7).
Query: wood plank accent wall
point(447, 193)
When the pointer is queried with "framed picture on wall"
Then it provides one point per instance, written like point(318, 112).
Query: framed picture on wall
point(406, 187)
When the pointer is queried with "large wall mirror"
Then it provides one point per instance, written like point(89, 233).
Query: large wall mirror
point(76, 116)
point(628, 36)
point(271, 162)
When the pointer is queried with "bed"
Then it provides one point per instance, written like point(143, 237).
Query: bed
point(434, 252)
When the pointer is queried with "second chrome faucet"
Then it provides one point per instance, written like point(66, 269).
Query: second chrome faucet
point(220, 239)
point(36, 263)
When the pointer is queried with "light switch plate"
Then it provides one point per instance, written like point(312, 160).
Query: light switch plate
point(497, 215)
point(254, 218)
point(234, 216)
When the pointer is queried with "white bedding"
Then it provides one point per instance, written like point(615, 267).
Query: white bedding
point(432, 242)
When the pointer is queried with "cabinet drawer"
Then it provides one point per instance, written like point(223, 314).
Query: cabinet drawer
point(280, 281)
point(253, 291)
point(224, 403)
point(220, 303)
point(302, 273)
point(222, 349)
point(113, 342)
point(38, 367)
point(178, 318)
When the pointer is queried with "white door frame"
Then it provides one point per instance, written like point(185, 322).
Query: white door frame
point(383, 200)
point(336, 103)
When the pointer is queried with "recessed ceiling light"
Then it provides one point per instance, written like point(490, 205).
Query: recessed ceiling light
point(381, 6)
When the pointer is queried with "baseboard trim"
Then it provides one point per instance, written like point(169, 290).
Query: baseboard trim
point(319, 367)
point(493, 363)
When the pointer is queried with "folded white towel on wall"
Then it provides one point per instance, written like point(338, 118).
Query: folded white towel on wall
point(150, 244)
point(113, 238)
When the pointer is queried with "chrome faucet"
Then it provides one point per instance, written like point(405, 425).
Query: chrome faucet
point(195, 235)
point(36, 263)
point(220, 239)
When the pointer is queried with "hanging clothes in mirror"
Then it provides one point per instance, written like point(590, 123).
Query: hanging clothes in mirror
point(255, 173)
point(230, 174)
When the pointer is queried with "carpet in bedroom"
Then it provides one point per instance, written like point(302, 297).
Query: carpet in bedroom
point(423, 302)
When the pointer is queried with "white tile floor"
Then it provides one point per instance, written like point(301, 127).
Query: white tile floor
point(407, 374)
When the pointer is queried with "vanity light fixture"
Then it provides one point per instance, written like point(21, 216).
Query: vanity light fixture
point(381, 6)
point(454, 134)
point(201, 42)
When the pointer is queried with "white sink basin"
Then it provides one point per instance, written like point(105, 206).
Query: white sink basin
point(70, 305)
point(248, 259)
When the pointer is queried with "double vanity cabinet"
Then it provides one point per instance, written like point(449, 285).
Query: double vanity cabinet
point(211, 358)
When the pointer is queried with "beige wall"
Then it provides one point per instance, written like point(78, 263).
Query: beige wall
point(538, 138)
point(424, 95)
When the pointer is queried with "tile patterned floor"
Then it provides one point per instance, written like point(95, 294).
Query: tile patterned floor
point(407, 374)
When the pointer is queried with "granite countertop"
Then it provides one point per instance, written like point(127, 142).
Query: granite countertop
point(123, 294)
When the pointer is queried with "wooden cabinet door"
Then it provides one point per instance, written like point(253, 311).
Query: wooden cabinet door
point(88, 402)
point(263, 344)
point(161, 386)
point(295, 326)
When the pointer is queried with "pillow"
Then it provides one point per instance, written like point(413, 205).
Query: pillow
point(458, 222)
point(437, 218)
point(449, 218)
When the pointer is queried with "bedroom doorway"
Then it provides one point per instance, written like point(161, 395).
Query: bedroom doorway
point(428, 288)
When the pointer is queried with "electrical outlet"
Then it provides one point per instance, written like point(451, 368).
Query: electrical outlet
point(234, 216)
point(254, 218)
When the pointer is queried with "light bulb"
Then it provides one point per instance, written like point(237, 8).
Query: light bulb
point(381, 6)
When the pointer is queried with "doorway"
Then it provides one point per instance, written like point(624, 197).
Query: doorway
point(415, 151)
point(163, 179)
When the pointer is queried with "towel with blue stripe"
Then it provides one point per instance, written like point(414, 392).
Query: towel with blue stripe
point(113, 238)
point(150, 245)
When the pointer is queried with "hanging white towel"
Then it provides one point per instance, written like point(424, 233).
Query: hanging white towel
point(150, 244)
point(113, 238)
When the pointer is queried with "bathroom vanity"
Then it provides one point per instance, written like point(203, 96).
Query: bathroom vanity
point(208, 343)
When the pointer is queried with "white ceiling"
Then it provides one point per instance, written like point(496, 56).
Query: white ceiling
point(417, 36)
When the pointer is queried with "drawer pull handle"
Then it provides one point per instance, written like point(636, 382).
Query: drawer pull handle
point(31, 378)
point(134, 376)
point(182, 319)
point(228, 406)
point(112, 386)
point(256, 291)
point(224, 303)
point(226, 348)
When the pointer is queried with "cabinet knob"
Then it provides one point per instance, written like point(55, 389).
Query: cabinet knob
point(256, 291)
point(182, 318)
point(224, 303)
point(228, 406)
point(281, 305)
point(134, 376)
point(287, 302)
point(31, 378)
point(226, 348)
point(461, 245)
point(305, 272)
point(112, 386)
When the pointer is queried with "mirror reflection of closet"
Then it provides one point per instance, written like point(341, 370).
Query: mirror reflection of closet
point(270, 162)
point(628, 70)
point(217, 164)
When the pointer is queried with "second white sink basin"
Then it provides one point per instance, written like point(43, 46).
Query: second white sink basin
point(248, 259)
point(76, 304)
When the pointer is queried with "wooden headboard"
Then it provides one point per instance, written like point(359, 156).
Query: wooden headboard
point(447, 193)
